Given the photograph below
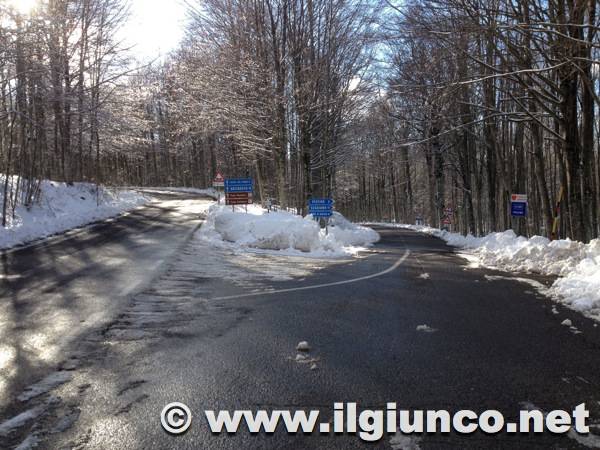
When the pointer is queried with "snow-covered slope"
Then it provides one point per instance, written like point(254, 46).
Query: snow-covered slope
point(577, 264)
point(284, 232)
point(62, 207)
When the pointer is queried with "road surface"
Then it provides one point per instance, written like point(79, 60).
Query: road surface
point(216, 330)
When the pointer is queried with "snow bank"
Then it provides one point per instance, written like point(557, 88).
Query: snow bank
point(577, 264)
point(284, 232)
point(342, 230)
point(62, 207)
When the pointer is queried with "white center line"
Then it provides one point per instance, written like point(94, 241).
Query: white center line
point(318, 286)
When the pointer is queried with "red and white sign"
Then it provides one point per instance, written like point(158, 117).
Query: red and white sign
point(521, 198)
point(219, 181)
point(238, 198)
point(447, 221)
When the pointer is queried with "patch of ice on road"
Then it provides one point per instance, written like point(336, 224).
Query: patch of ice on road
point(533, 283)
point(284, 233)
point(303, 346)
point(473, 261)
point(401, 441)
point(29, 443)
point(567, 323)
point(245, 268)
point(46, 385)
point(426, 329)
point(424, 276)
point(16, 422)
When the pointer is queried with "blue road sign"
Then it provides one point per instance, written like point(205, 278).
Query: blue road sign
point(320, 207)
point(238, 185)
point(518, 209)
point(321, 201)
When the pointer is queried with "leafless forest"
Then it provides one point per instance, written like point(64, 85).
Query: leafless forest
point(396, 109)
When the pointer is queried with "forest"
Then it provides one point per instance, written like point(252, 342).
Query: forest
point(399, 110)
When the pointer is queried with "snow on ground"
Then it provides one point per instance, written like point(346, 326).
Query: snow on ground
point(577, 264)
point(61, 208)
point(46, 385)
point(210, 192)
point(284, 232)
point(19, 420)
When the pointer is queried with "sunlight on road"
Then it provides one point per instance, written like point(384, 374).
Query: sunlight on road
point(69, 295)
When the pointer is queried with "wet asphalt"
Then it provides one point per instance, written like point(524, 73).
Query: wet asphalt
point(494, 343)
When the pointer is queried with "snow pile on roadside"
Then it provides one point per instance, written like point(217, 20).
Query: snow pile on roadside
point(62, 207)
point(285, 232)
point(508, 251)
point(342, 230)
point(577, 264)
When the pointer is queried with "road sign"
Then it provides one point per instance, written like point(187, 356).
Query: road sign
point(238, 191)
point(320, 207)
point(219, 181)
point(518, 209)
point(238, 198)
point(238, 185)
point(321, 201)
point(518, 205)
point(449, 211)
point(447, 221)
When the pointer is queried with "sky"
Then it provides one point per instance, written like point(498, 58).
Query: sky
point(155, 27)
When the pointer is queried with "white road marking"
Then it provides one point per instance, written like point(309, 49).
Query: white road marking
point(10, 277)
point(319, 286)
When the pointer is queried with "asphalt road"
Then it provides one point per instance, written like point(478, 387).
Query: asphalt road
point(215, 330)
point(57, 290)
